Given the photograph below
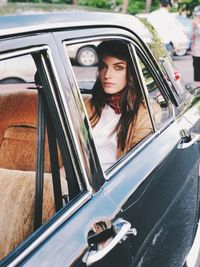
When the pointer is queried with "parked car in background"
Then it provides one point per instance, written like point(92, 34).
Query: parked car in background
point(84, 54)
point(58, 206)
point(13, 72)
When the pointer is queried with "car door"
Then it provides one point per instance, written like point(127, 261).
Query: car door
point(155, 186)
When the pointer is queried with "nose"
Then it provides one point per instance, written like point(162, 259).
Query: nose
point(107, 74)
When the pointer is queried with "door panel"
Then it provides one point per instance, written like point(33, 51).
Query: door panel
point(166, 213)
point(163, 209)
point(157, 207)
point(69, 245)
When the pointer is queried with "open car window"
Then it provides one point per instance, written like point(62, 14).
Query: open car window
point(86, 72)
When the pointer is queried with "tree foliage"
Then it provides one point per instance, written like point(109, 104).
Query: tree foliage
point(133, 6)
point(110, 4)
point(188, 6)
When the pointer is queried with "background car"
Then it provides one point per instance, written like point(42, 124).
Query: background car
point(12, 72)
point(58, 206)
point(84, 55)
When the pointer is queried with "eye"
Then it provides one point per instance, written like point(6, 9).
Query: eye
point(120, 67)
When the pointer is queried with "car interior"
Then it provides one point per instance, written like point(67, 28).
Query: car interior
point(18, 145)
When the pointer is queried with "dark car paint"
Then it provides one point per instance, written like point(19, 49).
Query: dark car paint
point(117, 189)
point(151, 187)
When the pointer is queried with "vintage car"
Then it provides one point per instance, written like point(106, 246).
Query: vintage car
point(58, 206)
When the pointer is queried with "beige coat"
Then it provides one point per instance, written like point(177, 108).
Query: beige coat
point(139, 128)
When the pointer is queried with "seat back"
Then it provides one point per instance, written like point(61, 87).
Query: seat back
point(18, 130)
point(18, 138)
point(17, 206)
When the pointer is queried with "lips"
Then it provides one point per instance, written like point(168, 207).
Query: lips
point(108, 84)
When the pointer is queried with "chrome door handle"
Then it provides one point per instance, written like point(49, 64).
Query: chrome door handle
point(122, 228)
point(194, 138)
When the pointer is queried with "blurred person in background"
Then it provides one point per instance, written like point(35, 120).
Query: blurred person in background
point(161, 20)
point(195, 49)
point(171, 31)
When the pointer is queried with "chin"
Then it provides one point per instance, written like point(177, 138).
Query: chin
point(111, 91)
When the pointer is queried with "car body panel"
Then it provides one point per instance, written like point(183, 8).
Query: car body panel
point(126, 200)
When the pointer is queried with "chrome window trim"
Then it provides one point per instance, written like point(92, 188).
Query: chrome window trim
point(88, 187)
point(24, 51)
point(50, 229)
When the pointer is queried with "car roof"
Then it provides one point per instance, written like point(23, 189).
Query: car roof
point(27, 23)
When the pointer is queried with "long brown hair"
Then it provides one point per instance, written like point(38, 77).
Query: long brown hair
point(131, 96)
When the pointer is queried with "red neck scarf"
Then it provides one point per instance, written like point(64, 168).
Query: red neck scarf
point(113, 100)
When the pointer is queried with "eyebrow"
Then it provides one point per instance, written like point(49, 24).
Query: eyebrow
point(115, 64)
point(120, 62)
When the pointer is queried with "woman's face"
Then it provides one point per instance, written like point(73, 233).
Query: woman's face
point(112, 74)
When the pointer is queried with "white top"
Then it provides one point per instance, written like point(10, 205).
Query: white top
point(105, 138)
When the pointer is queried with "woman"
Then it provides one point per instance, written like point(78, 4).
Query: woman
point(116, 111)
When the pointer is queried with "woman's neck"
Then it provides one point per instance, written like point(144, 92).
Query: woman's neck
point(114, 101)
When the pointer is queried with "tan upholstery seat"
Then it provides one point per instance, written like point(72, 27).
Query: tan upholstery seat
point(18, 106)
point(18, 149)
point(17, 206)
point(18, 120)
point(18, 115)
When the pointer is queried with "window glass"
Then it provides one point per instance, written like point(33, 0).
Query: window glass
point(23, 207)
point(159, 104)
point(172, 75)
point(84, 61)
point(113, 99)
